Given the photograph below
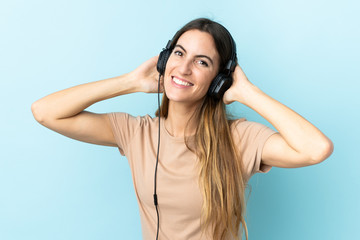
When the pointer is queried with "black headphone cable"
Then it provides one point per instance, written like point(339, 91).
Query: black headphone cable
point(157, 161)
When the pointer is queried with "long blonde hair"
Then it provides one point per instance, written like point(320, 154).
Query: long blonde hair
point(221, 175)
point(221, 178)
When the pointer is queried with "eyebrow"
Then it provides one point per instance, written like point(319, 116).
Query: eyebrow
point(204, 56)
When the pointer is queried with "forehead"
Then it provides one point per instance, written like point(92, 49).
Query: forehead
point(198, 42)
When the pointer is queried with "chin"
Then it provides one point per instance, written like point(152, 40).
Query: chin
point(184, 97)
point(177, 98)
point(174, 96)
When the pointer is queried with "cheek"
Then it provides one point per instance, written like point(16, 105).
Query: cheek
point(207, 81)
point(169, 63)
point(167, 81)
point(168, 69)
point(166, 84)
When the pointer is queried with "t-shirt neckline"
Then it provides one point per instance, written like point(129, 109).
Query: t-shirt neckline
point(177, 139)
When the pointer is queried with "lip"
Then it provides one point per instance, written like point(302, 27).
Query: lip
point(178, 85)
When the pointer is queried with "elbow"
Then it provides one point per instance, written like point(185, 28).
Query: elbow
point(37, 112)
point(324, 151)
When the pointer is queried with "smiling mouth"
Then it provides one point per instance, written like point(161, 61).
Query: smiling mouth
point(181, 82)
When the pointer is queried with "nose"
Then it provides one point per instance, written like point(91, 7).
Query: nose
point(185, 67)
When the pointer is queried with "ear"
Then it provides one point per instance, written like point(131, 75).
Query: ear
point(219, 85)
point(163, 58)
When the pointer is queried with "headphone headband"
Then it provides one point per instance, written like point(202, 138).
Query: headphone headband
point(231, 64)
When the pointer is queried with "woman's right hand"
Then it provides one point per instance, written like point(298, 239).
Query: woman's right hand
point(147, 76)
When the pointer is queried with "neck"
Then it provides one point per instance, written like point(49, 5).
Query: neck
point(179, 119)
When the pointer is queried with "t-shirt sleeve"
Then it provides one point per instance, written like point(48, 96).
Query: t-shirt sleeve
point(250, 137)
point(124, 126)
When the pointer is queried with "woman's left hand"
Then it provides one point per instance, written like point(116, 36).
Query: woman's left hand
point(238, 89)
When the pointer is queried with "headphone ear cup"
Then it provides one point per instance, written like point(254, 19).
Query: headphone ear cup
point(219, 85)
point(163, 58)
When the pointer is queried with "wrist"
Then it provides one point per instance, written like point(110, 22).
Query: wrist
point(247, 94)
point(130, 82)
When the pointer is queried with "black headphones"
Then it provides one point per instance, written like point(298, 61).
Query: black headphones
point(221, 82)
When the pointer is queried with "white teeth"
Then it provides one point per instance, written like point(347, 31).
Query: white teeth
point(178, 81)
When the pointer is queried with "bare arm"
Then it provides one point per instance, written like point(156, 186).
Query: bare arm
point(298, 143)
point(64, 113)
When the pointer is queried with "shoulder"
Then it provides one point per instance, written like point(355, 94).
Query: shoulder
point(242, 129)
point(126, 127)
point(242, 125)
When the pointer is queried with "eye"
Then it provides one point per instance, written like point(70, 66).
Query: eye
point(179, 53)
point(203, 63)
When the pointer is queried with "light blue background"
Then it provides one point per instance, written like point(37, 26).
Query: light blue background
point(303, 53)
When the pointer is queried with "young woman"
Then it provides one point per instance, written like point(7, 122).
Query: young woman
point(205, 159)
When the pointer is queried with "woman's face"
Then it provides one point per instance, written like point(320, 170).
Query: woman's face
point(191, 67)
